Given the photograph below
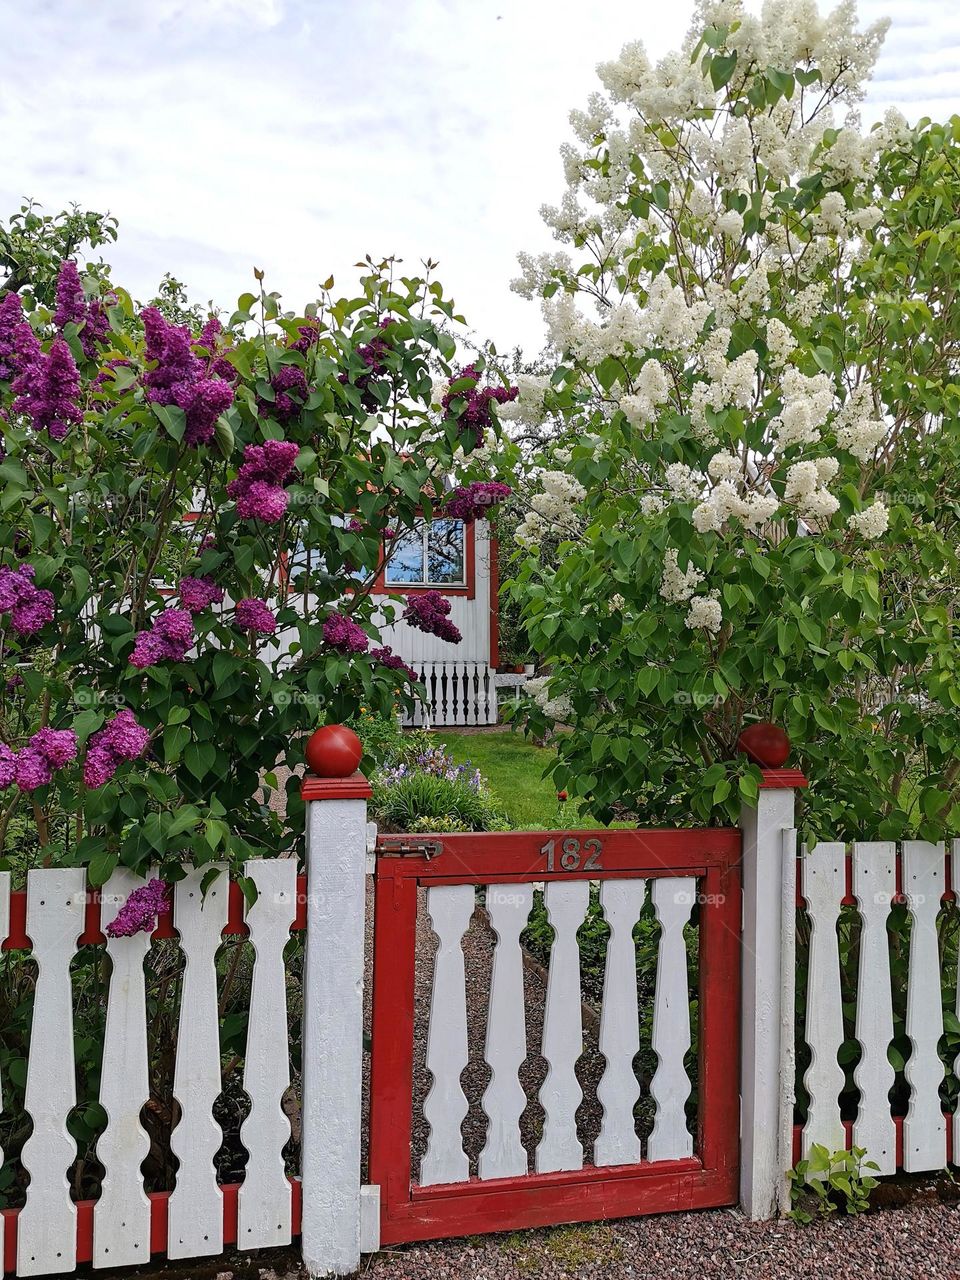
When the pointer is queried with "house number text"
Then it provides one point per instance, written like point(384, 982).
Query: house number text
point(573, 855)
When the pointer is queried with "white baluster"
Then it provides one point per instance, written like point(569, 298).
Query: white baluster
point(619, 1089)
point(503, 1155)
point(121, 1219)
point(195, 1208)
point(445, 1106)
point(924, 1128)
point(824, 885)
point(566, 905)
point(670, 1139)
point(875, 883)
point(264, 1205)
point(47, 1226)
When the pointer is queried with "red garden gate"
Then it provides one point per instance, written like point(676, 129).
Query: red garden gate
point(602, 1138)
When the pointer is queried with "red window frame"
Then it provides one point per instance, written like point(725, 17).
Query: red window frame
point(468, 590)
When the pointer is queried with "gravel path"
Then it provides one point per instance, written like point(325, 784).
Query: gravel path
point(917, 1243)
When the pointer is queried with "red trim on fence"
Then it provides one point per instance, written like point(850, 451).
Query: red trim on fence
point(158, 1223)
point(773, 778)
point(898, 1125)
point(710, 1178)
point(899, 898)
point(356, 787)
point(92, 935)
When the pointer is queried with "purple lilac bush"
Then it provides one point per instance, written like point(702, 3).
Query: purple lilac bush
point(160, 468)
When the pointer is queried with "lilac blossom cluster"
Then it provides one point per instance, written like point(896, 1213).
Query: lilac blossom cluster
point(309, 337)
point(29, 607)
point(119, 740)
point(140, 911)
point(169, 639)
point(72, 308)
point(372, 354)
point(258, 488)
point(472, 501)
point(218, 363)
point(385, 657)
point(438, 764)
point(197, 594)
point(342, 633)
point(477, 414)
point(35, 764)
point(180, 378)
point(428, 612)
point(47, 387)
point(290, 392)
point(18, 342)
point(253, 615)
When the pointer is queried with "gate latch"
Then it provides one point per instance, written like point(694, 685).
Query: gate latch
point(405, 847)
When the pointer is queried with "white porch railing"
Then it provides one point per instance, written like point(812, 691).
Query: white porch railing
point(458, 693)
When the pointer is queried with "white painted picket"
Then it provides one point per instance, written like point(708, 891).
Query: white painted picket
point(874, 885)
point(121, 1225)
point(195, 1208)
point(619, 1089)
point(450, 908)
point(670, 1139)
point(924, 1129)
point(457, 693)
point(823, 884)
point(46, 1225)
point(503, 1101)
point(560, 1095)
point(264, 1206)
point(823, 881)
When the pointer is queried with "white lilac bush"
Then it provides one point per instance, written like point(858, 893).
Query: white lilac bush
point(754, 401)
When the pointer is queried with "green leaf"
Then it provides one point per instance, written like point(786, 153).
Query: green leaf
point(722, 67)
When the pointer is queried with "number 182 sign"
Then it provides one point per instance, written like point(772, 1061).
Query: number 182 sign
point(573, 855)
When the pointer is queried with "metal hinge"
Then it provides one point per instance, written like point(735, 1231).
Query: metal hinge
point(405, 847)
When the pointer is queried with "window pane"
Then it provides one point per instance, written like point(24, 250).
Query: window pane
point(445, 551)
point(406, 558)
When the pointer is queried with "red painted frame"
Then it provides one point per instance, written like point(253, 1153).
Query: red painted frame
point(158, 1224)
point(708, 1179)
point(468, 589)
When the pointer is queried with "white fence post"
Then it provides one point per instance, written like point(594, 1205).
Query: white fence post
point(765, 1026)
point(336, 820)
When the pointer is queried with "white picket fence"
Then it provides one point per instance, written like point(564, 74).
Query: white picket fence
point(198, 1218)
point(457, 693)
point(503, 1156)
point(122, 1218)
point(873, 880)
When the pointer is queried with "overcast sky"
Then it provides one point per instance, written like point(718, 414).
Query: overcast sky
point(298, 135)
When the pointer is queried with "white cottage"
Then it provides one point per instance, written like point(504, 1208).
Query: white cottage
point(458, 560)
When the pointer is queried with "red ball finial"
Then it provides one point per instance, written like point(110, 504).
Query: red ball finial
point(334, 751)
point(766, 745)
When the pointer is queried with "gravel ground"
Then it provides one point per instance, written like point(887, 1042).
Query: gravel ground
point(917, 1243)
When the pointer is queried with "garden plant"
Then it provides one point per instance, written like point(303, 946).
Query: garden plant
point(754, 467)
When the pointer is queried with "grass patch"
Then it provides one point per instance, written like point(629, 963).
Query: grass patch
point(514, 768)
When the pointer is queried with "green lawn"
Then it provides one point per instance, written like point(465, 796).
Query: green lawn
point(514, 767)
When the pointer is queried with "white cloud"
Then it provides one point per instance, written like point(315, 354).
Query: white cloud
point(297, 135)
